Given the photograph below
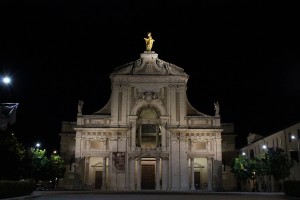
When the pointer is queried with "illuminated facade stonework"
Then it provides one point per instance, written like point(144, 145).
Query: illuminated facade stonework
point(148, 135)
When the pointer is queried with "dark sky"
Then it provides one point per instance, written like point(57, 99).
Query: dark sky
point(244, 54)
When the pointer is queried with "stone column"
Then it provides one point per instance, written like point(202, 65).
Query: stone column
point(87, 171)
point(139, 174)
point(111, 181)
point(165, 171)
point(209, 173)
point(182, 101)
point(173, 102)
point(218, 144)
point(124, 103)
point(157, 174)
point(140, 135)
point(175, 164)
point(192, 174)
point(88, 145)
point(163, 136)
point(157, 137)
point(184, 165)
point(104, 174)
point(115, 103)
point(131, 173)
point(78, 146)
point(133, 134)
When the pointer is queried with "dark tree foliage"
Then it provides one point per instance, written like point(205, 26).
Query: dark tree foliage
point(273, 162)
point(47, 169)
point(12, 154)
point(245, 168)
point(277, 163)
point(41, 165)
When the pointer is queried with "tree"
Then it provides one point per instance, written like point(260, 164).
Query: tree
point(12, 153)
point(240, 168)
point(40, 165)
point(276, 163)
point(57, 168)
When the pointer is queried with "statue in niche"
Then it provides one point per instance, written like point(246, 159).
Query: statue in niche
point(149, 42)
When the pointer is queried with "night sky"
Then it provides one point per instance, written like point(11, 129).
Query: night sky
point(243, 54)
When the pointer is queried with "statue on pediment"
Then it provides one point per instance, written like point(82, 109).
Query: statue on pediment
point(80, 105)
point(149, 42)
point(217, 108)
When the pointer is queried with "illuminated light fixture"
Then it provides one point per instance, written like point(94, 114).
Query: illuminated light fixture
point(293, 137)
point(6, 80)
point(264, 146)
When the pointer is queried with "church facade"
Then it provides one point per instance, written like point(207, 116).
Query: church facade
point(147, 136)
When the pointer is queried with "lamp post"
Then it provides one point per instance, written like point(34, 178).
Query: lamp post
point(6, 80)
point(264, 147)
point(298, 139)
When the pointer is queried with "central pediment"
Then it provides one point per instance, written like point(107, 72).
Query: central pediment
point(149, 64)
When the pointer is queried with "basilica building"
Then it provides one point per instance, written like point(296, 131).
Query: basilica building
point(147, 136)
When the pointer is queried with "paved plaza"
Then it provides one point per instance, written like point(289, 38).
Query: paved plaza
point(149, 195)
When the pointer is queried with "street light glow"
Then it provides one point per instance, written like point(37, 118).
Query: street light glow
point(38, 145)
point(293, 137)
point(264, 146)
point(6, 80)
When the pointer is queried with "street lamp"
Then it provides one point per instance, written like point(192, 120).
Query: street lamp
point(264, 146)
point(6, 80)
point(294, 138)
point(37, 145)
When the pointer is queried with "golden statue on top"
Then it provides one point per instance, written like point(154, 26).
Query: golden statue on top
point(149, 42)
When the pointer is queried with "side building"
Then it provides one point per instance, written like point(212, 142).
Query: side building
point(147, 136)
point(288, 140)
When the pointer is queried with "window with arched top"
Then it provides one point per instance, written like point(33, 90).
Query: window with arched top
point(148, 128)
point(148, 132)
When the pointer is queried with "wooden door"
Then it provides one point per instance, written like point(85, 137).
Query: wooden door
point(98, 179)
point(197, 180)
point(148, 177)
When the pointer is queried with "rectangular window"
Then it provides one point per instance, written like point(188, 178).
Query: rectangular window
point(290, 137)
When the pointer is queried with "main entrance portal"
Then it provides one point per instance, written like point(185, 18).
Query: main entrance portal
point(98, 179)
point(148, 176)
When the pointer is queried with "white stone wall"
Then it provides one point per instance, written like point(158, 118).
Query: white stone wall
point(188, 144)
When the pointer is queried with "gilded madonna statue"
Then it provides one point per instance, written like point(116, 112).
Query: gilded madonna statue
point(149, 42)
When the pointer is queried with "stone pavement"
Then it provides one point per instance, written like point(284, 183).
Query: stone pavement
point(151, 195)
